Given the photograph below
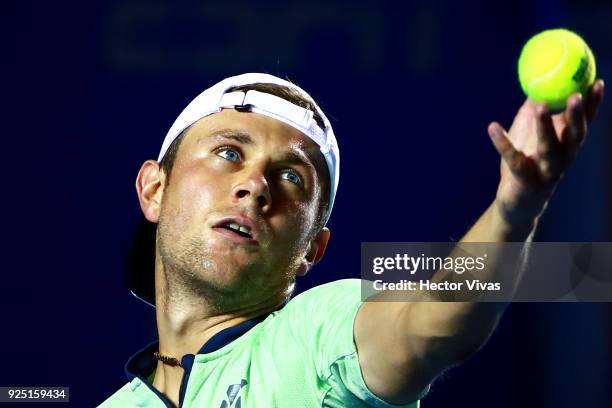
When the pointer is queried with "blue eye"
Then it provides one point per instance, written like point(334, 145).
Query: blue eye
point(229, 154)
point(291, 176)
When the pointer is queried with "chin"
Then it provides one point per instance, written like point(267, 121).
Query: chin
point(226, 274)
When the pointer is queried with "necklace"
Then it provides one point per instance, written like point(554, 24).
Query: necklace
point(171, 361)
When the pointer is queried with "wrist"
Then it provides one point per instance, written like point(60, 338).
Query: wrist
point(517, 222)
point(519, 206)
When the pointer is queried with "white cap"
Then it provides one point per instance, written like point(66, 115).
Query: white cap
point(215, 98)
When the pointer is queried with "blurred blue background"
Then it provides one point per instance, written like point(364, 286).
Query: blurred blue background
point(90, 89)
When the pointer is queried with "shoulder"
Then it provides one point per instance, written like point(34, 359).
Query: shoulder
point(121, 398)
point(336, 292)
point(324, 305)
point(322, 318)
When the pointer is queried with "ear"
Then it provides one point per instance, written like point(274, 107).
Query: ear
point(150, 189)
point(315, 252)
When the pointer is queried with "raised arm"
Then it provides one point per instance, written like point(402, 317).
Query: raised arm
point(403, 346)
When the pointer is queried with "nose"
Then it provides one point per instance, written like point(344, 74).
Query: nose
point(254, 188)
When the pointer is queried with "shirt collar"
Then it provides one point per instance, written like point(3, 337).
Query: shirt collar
point(142, 363)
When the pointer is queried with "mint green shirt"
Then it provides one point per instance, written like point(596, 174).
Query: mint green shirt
point(301, 356)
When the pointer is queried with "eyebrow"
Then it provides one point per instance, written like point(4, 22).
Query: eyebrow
point(232, 134)
point(240, 136)
point(293, 157)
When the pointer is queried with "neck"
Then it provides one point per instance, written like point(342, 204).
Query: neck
point(184, 324)
point(186, 320)
point(183, 328)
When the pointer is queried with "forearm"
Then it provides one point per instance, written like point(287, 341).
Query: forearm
point(493, 227)
point(455, 330)
point(434, 335)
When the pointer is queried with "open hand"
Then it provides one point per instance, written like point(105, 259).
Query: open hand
point(537, 150)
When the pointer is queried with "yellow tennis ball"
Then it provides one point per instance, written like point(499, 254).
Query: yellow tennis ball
point(555, 64)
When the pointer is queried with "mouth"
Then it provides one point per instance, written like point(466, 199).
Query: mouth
point(239, 229)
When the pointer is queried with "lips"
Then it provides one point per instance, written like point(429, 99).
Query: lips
point(239, 229)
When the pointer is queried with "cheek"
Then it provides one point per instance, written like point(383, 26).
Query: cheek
point(297, 224)
point(190, 199)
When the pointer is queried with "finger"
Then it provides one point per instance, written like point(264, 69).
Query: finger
point(593, 100)
point(512, 157)
point(575, 118)
point(548, 143)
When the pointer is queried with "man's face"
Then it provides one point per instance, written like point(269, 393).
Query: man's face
point(238, 213)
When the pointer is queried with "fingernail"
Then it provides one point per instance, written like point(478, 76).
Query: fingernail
point(598, 85)
point(496, 133)
point(542, 110)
